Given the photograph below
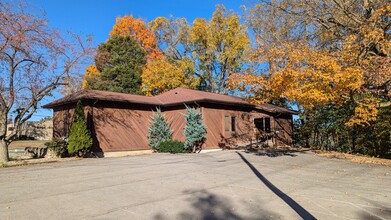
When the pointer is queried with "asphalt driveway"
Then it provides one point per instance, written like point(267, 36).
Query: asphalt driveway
point(219, 185)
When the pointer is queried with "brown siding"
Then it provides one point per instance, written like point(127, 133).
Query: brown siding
point(124, 127)
point(114, 127)
point(62, 120)
point(214, 116)
point(283, 124)
point(214, 121)
point(177, 119)
point(121, 129)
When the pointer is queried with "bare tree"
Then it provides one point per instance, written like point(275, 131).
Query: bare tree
point(35, 59)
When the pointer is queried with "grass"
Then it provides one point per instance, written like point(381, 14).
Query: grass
point(22, 144)
point(24, 162)
point(13, 159)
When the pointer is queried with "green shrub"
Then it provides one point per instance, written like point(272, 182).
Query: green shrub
point(195, 130)
point(171, 146)
point(80, 140)
point(60, 148)
point(159, 130)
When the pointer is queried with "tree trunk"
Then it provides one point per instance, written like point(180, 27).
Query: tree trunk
point(353, 139)
point(3, 151)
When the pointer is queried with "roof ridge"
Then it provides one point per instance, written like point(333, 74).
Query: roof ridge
point(201, 91)
point(104, 91)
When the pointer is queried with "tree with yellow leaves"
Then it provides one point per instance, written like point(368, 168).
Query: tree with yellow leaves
point(161, 75)
point(215, 47)
point(303, 76)
point(318, 52)
point(332, 59)
point(91, 76)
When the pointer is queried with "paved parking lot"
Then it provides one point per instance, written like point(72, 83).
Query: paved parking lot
point(219, 185)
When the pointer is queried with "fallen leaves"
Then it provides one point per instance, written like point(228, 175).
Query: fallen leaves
point(353, 158)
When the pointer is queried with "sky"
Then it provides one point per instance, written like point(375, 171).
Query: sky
point(97, 18)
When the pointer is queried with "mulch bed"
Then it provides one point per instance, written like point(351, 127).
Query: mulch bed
point(353, 158)
point(356, 158)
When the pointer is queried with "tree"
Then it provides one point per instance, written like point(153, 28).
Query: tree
point(161, 75)
point(34, 59)
point(119, 61)
point(215, 48)
point(72, 84)
point(332, 59)
point(352, 35)
point(91, 77)
point(305, 77)
point(79, 140)
point(195, 130)
point(159, 131)
point(137, 29)
point(172, 36)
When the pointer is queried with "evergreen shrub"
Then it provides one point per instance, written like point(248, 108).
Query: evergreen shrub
point(159, 130)
point(79, 140)
point(59, 147)
point(195, 130)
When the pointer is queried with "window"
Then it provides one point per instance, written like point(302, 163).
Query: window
point(263, 124)
point(258, 122)
point(229, 123)
point(267, 125)
point(233, 123)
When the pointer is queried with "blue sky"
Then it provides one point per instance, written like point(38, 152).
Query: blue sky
point(97, 17)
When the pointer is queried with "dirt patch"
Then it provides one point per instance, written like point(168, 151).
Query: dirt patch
point(23, 162)
point(353, 158)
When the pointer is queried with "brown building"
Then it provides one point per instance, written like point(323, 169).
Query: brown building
point(119, 122)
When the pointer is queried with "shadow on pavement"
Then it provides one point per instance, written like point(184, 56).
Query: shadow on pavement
point(259, 150)
point(375, 210)
point(272, 152)
point(288, 200)
point(209, 206)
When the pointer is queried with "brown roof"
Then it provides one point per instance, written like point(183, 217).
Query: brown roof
point(173, 97)
point(181, 95)
point(104, 95)
point(276, 109)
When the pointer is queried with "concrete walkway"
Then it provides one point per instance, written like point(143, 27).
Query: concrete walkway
point(218, 185)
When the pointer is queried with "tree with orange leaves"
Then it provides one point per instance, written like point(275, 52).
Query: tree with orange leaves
point(137, 29)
